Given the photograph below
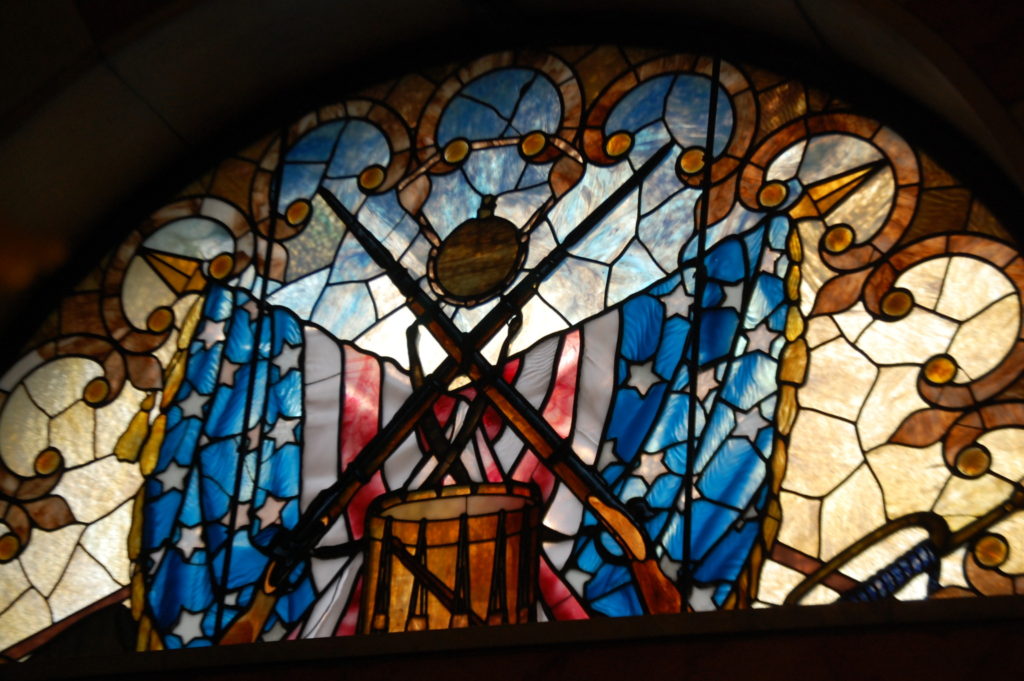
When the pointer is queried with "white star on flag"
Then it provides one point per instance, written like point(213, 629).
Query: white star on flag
point(733, 296)
point(191, 539)
point(189, 626)
point(288, 358)
point(283, 431)
point(678, 302)
point(768, 260)
point(760, 338)
point(213, 332)
point(651, 467)
point(270, 511)
point(749, 424)
point(642, 376)
point(173, 477)
point(192, 405)
point(701, 598)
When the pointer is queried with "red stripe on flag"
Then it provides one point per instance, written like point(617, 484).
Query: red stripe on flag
point(356, 508)
point(559, 599)
point(347, 624)
point(558, 410)
point(362, 404)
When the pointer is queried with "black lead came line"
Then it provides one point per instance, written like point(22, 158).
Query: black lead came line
point(700, 283)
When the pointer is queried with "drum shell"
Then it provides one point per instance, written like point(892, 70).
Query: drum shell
point(495, 528)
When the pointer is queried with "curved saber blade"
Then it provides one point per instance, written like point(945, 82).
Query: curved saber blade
point(921, 558)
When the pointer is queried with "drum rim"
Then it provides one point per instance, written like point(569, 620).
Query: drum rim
point(525, 490)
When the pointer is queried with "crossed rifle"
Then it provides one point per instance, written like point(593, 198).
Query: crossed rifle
point(657, 591)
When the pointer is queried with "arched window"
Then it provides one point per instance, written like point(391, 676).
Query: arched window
point(545, 335)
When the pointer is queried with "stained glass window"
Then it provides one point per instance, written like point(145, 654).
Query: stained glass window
point(546, 335)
